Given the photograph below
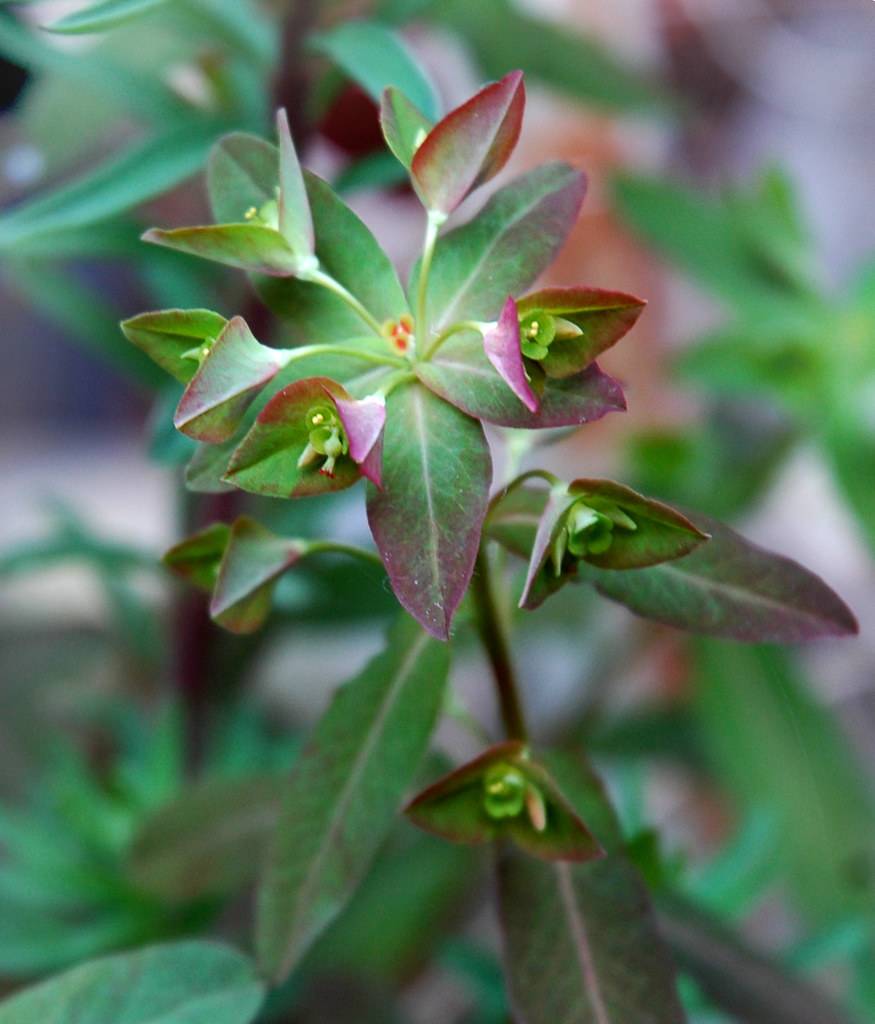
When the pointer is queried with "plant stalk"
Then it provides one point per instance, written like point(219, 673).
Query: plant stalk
point(497, 647)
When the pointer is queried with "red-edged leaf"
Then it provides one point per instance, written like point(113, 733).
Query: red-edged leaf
point(462, 374)
point(426, 519)
point(253, 247)
point(470, 145)
point(602, 316)
point(635, 532)
point(197, 558)
point(168, 334)
point(502, 348)
point(731, 588)
point(502, 250)
point(295, 221)
point(234, 370)
point(404, 125)
point(254, 560)
point(266, 460)
point(363, 420)
point(454, 807)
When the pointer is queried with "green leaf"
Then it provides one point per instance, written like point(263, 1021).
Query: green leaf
point(404, 125)
point(849, 445)
point(206, 842)
point(376, 58)
point(234, 368)
point(253, 247)
point(183, 983)
point(504, 248)
point(295, 221)
point(731, 588)
point(580, 940)
point(102, 16)
point(426, 519)
point(345, 791)
point(776, 748)
point(502, 37)
point(469, 146)
point(746, 983)
point(461, 373)
point(503, 793)
point(253, 561)
point(605, 524)
point(145, 170)
point(242, 173)
point(168, 334)
point(197, 558)
point(352, 256)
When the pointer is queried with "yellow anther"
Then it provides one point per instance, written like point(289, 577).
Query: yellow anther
point(534, 327)
point(251, 213)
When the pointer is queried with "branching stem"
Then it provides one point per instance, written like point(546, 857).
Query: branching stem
point(431, 232)
point(458, 328)
point(497, 647)
point(290, 355)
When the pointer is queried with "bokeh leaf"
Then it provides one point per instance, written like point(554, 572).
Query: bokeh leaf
point(182, 983)
point(345, 790)
point(105, 15)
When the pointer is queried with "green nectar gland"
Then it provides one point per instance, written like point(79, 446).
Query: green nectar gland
point(504, 791)
point(326, 438)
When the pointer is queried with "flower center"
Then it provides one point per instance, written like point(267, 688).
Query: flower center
point(399, 334)
point(326, 438)
point(504, 791)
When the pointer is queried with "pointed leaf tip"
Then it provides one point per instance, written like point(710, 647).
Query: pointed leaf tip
point(295, 219)
point(470, 145)
point(502, 346)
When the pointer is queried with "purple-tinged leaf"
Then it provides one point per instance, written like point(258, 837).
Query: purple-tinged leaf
point(197, 558)
point(295, 221)
point(581, 941)
point(603, 317)
point(254, 247)
point(470, 145)
point(461, 373)
point(363, 420)
point(208, 841)
point(605, 524)
point(234, 370)
point(404, 125)
point(504, 248)
point(502, 348)
point(345, 791)
point(242, 173)
point(527, 807)
point(254, 560)
point(427, 518)
point(168, 334)
point(276, 458)
point(514, 516)
point(731, 588)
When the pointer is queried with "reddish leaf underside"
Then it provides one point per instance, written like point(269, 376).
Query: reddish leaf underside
point(502, 348)
point(234, 370)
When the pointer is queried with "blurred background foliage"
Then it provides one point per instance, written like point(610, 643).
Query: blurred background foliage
point(140, 749)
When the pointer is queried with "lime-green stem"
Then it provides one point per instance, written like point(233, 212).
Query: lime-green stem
point(290, 355)
point(319, 547)
point(458, 328)
point(431, 232)
point(495, 643)
point(396, 380)
point(327, 281)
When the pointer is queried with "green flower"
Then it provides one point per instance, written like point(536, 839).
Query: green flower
point(327, 438)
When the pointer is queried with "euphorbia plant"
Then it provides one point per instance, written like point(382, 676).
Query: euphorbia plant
point(395, 386)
